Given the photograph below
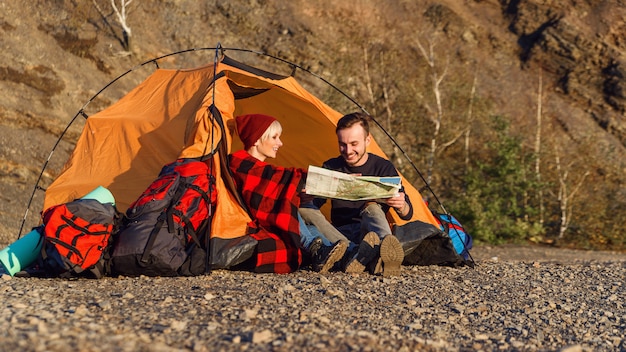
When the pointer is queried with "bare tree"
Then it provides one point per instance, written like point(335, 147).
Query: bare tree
point(436, 119)
point(386, 94)
point(122, 18)
point(368, 79)
point(538, 146)
point(386, 100)
point(469, 120)
point(370, 89)
point(565, 196)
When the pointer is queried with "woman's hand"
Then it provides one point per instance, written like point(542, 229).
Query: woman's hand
point(306, 198)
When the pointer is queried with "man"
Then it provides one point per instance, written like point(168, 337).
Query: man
point(365, 222)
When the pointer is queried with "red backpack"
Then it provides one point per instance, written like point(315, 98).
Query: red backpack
point(165, 231)
point(77, 238)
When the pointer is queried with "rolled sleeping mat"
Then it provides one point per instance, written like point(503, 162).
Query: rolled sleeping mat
point(22, 253)
point(100, 194)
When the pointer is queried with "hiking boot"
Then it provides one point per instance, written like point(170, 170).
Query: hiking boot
point(392, 255)
point(325, 257)
point(375, 267)
point(315, 245)
point(366, 253)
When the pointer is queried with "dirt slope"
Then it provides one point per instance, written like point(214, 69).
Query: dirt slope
point(56, 55)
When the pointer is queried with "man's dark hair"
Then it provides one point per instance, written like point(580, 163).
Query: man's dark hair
point(350, 120)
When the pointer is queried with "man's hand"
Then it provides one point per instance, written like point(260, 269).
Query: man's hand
point(398, 202)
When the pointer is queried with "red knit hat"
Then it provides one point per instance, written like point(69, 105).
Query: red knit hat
point(251, 127)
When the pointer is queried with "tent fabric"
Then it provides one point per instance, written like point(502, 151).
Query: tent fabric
point(189, 113)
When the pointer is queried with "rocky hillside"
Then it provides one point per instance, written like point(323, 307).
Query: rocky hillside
point(57, 54)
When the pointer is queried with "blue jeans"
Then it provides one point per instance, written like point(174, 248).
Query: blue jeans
point(373, 219)
point(317, 222)
point(308, 233)
point(312, 216)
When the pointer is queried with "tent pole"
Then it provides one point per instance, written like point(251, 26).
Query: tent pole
point(219, 50)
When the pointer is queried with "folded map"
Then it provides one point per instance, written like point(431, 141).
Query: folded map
point(338, 185)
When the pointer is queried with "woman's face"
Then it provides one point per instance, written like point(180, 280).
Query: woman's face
point(267, 148)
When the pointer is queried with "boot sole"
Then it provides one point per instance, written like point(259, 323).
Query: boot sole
point(334, 256)
point(392, 254)
point(367, 253)
point(354, 267)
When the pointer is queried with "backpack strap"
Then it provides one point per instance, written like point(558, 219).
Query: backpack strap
point(171, 211)
point(188, 224)
point(98, 269)
point(152, 237)
point(201, 192)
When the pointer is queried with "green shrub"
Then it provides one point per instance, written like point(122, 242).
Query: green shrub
point(496, 206)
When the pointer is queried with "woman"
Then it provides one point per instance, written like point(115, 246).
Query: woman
point(271, 194)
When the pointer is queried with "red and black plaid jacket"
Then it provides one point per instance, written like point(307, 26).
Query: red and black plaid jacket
point(271, 194)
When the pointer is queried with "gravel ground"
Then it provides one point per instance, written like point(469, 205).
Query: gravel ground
point(568, 302)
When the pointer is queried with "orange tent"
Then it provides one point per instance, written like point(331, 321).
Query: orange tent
point(189, 113)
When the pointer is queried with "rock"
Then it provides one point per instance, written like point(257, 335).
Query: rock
point(262, 337)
